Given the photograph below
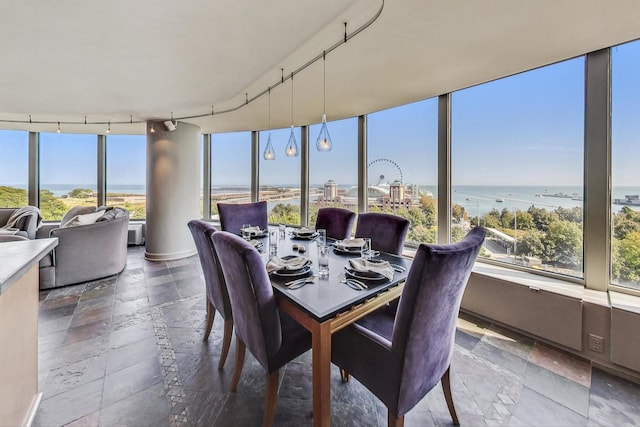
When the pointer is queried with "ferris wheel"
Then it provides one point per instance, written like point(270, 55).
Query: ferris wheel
point(383, 172)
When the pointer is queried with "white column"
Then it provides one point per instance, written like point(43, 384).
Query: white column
point(173, 190)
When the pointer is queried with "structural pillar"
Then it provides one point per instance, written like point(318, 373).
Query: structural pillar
point(173, 190)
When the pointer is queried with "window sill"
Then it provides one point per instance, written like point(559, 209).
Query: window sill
point(538, 282)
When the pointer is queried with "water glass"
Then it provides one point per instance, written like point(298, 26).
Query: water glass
point(246, 235)
point(323, 260)
point(366, 248)
point(282, 229)
point(273, 242)
point(322, 237)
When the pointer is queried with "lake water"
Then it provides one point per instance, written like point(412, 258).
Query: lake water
point(477, 199)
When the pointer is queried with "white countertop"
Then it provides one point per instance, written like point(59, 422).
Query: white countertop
point(18, 257)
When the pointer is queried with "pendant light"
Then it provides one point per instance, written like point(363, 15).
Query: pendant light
point(269, 153)
point(323, 143)
point(292, 146)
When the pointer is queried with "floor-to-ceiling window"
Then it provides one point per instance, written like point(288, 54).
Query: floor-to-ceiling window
point(280, 177)
point(333, 175)
point(402, 169)
point(230, 169)
point(68, 173)
point(517, 166)
point(625, 175)
point(14, 176)
point(126, 173)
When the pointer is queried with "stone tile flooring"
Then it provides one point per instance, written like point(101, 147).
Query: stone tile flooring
point(128, 351)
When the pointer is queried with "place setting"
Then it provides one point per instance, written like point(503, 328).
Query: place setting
point(294, 270)
point(369, 272)
point(349, 246)
point(249, 232)
point(304, 233)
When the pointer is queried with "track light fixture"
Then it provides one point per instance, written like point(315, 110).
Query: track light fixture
point(325, 141)
point(59, 130)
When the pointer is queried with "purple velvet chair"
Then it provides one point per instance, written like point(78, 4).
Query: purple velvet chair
point(400, 359)
point(217, 296)
point(337, 221)
point(271, 336)
point(234, 215)
point(387, 232)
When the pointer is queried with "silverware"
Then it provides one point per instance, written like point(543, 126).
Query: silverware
point(399, 268)
point(353, 283)
point(296, 284)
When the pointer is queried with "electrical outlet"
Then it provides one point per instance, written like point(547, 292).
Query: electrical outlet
point(596, 343)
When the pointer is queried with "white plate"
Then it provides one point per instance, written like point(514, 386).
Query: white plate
point(291, 273)
point(305, 236)
point(353, 251)
point(364, 275)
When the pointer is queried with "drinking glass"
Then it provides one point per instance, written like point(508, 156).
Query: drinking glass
point(246, 235)
point(366, 248)
point(323, 260)
point(273, 242)
point(282, 229)
point(322, 237)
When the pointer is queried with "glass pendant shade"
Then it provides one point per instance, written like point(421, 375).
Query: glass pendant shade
point(269, 153)
point(323, 143)
point(292, 145)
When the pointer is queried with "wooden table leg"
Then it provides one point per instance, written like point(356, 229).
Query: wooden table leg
point(321, 356)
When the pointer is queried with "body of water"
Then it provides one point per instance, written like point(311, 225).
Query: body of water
point(476, 199)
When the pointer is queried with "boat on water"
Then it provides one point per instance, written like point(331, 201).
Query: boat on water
point(629, 200)
point(499, 200)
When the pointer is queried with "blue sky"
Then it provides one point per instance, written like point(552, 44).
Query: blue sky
point(526, 129)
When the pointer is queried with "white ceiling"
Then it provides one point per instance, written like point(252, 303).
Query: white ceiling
point(120, 60)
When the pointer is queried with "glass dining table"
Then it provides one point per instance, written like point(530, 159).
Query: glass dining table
point(328, 304)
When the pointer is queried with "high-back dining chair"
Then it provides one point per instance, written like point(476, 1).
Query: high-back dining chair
point(387, 232)
point(234, 215)
point(408, 354)
point(271, 336)
point(217, 296)
point(337, 221)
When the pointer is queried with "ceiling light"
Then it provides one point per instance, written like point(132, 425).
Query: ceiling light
point(58, 131)
point(269, 153)
point(292, 146)
point(152, 130)
point(109, 128)
point(323, 143)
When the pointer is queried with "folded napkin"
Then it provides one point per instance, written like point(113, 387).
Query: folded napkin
point(293, 263)
point(348, 244)
point(253, 230)
point(303, 231)
point(380, 267)
point(255, 243)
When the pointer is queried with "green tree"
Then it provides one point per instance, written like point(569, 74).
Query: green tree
point(81, 193)
point(629, 256)
point(11, 197)
point(563, 243)
point(51, 207)
point(285, 214)
point(542, 218)
point(531, 244)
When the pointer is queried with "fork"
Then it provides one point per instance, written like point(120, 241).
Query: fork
point(297, 284)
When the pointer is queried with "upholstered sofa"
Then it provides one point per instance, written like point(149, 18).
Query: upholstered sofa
point(92, 244)
point(26, 221)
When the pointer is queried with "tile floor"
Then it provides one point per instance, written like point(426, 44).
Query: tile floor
point(128, 351)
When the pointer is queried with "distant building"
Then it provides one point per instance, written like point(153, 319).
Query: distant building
point(397, 197)
point(330, 191)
